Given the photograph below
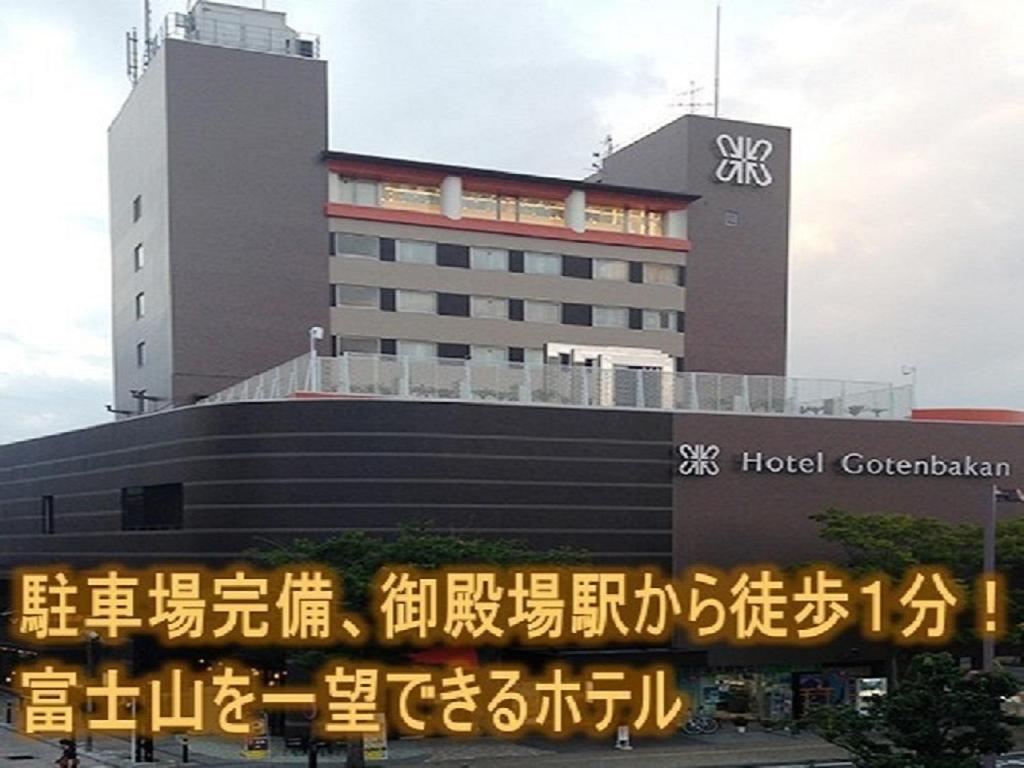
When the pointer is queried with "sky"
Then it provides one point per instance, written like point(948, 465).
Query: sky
point(908, 158)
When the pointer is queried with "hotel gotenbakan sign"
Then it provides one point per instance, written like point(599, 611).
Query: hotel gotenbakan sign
point(707, 460)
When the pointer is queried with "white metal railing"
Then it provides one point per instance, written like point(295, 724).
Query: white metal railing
point(246, 36)
point(355, 374)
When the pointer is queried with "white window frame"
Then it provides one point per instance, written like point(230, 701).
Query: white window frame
point(533, 258)
point(374, 304)
point(415, 252)
point(619, 312)
point(421, 302)
point(479, 259)
point(477, 305)
point(528, 303)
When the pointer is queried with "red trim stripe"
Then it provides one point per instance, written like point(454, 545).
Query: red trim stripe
point(345, 210)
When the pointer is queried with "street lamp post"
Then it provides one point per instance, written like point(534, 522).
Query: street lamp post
point(988, 643)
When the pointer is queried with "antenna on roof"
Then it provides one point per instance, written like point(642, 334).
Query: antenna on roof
point(607, 147)
point(147, 46)
point(131, 52)
point(690, 99)
point(718, 45)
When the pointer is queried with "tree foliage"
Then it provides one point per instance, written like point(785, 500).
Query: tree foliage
point(939, 717)
point(892, 543)
point(357, 556)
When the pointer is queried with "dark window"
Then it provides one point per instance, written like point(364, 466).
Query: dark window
point(152, 507)
point(576, 314)
point(515, 261)
point(456, 304)
point(681, 322)
point(140, 354)
point(680, 364)
point(388, 346)
point(636, 319)
point(681, 276)
point(457, 351)
point(387, 299)
point(387, 249)
point(515, 309)
point(452, 255)
point(137, 208)
point(334, 295)
point(334, 344)
point(515, 355)
point(636, 272)
point(362, 344)
point(48, 516)
point(577, 266)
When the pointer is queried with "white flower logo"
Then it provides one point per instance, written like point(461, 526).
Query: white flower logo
point(698, 460)
point(743, 160)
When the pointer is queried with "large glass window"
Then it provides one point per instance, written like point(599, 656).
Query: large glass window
point(542, 263)
point(606, 218)
point(655, 224)
point(658, 319)
point(362, 344)
point(611, 269)
point(664, 274)
point(415, 252)
point(356, 296)
point(508, 209)
point(636, 222)
point(484, 354)
point(489, 258)
point(546, 212)
point(360, 191)
point(421, 349)
point(345, 244)
point(416, 301)
point(479, 205)
point(489, 306)
point(410, 197)
point(610, 317)
point(541, 312)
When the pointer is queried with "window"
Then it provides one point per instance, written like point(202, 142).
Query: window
point(489, 306)
point(359, 191)
point(140, 306)
point(577, 314)
point(658, 319)
point(483, 354)
point(611, 317)
point(542, 264)
point(137, 208)
point(540, 311)
point(611, 269)
point(489, 258)
point(416, 301)
point(546, 212)
point(479, 205)
point(357, 296)
point(152, 507)
point(420, 349)
point(410, 197)
point(415, 252)
point(655, 224)
point(508, 209)
point(453, 304)
point(140, 354)
point(663, 274)
point(138, 257)
point(359, 344)
point(449, 255)
point(606, 218)
point(636, 222)
point(533, 356)
point(362, 246)
point(48, 522)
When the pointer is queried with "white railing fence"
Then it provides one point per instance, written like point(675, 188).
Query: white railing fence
point(368, 375)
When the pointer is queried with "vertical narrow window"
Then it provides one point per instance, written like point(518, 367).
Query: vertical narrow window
point(140, 306)
point(138, 257)
point(48, 521)
point(137, 208)
point(140, 354)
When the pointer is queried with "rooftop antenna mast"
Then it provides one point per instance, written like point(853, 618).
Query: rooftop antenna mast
point(718, 41)
point(131, 52)
point(147, 46)
point(608, 146)
point(690, 99)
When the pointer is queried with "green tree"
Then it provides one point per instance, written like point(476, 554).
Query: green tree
point(939, 717)
point(892, 543)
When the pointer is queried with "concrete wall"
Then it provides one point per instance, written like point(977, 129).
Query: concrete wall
point(737, 274)
point(247, 228)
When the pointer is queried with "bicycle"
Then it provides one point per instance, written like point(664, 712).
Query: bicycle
point(700, 724)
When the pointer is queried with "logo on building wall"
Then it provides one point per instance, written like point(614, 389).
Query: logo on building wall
point(743, 160)
point(698, 460)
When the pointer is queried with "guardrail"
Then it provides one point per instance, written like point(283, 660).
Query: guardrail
point(443, 379)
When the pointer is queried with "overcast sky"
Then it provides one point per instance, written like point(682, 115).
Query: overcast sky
point(908, 178)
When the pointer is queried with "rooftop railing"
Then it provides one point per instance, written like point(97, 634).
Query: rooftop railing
point(232, 34)
point(389, 376)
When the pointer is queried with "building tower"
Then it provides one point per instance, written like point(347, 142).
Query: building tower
point(216, 205)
